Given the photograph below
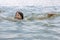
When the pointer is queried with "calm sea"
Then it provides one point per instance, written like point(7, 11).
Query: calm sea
point(29, 28)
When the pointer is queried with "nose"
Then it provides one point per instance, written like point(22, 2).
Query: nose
point(18, 17)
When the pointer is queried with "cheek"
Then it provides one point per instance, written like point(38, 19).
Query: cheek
point(20, 17)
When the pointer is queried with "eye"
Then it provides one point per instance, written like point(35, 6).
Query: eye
point(18, 15)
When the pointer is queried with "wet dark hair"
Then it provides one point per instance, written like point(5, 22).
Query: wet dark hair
point(21, 14)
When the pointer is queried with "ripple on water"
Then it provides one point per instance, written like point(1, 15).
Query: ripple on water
point(29, 29)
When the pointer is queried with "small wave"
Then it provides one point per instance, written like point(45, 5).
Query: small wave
point(2, 11)
point(9, 19)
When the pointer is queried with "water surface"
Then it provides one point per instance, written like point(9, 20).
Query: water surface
point(30, 28)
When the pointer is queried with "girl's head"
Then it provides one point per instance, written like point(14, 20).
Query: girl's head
point(19, 15)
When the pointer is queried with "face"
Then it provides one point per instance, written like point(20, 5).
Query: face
point(18, 16)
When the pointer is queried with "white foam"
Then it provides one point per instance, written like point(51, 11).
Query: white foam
point(31, 2)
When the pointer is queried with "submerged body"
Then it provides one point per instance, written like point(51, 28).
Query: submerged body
point(50, 16)
point(47, 16)
point(43, 16)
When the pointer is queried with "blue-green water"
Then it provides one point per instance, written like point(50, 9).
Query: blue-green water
point(29, 28)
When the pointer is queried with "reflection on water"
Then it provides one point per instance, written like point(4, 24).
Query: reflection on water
point(31, 28)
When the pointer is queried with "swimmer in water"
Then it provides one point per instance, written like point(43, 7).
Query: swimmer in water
point(19, 15)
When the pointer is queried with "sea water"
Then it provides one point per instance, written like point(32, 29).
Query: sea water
point(29, 29)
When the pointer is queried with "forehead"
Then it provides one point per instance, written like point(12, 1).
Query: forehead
point(18, 13)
